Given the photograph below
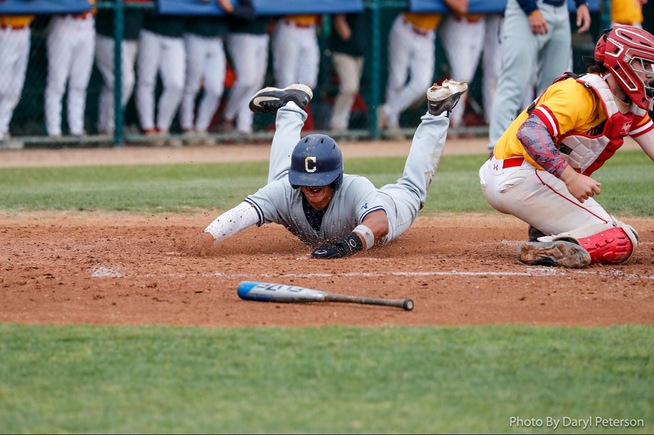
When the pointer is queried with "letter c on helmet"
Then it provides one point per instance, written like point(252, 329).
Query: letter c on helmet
point(310, 164)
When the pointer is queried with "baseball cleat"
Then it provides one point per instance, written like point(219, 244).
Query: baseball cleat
point(269, 100)
point(443, 98)
point(557, 253)
point(535, 234)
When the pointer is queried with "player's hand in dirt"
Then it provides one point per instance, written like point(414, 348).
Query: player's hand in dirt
point(199, 247)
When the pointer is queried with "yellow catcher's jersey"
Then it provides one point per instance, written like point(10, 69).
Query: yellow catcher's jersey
point(16, 21)
point(570, 107)
point(426, 22)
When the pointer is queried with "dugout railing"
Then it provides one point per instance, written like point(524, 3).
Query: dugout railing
point(27, 126)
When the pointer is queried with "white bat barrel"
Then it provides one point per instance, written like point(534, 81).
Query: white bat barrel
point(263, 291)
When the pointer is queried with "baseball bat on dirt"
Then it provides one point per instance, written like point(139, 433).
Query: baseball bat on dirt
point(270, 292)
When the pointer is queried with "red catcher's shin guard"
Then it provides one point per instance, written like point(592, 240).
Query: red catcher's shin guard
point(611, 246)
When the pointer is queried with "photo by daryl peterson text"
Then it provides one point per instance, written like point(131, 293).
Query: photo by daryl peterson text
point(568, 422)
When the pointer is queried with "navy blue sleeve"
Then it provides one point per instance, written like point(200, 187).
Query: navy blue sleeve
point(244, 9)
point(528, 6)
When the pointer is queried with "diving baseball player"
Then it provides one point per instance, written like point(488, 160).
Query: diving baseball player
point(541, 168)
point(336, 214)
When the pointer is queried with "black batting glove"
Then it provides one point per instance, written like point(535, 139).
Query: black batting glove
point(344, 247)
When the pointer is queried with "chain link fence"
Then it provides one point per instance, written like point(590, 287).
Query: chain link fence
point(75, 121)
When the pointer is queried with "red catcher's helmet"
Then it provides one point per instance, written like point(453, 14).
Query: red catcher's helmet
point(628, 52)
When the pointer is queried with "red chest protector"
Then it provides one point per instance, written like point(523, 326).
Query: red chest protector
point(586, 152)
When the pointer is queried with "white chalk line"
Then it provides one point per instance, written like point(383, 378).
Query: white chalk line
point(108, 272)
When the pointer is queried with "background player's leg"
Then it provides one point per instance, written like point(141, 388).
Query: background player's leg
point(519, 52)
point(214, 80)
point(147, 64)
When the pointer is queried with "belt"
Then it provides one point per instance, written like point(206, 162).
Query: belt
point(7, 27)
point(511, 162)
point(468, 19)
point(82, 16)
point(301, 26)
point(554, 2)
point(416, 30)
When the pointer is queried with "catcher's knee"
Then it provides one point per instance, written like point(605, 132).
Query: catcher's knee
point(610, 243)
point(613, 246)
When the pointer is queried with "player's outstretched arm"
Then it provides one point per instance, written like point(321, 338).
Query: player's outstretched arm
point(222, 228)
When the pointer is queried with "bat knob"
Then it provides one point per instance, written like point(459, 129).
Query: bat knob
point(408, 304)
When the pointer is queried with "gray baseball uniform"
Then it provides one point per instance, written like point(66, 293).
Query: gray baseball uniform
point(522, 50)
point(278, 202)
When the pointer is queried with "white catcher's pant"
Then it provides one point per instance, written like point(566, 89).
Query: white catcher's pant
point(402, 200)
point(537, 198)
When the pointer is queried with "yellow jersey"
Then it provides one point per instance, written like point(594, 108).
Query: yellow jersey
point(425, 22)
point(569, 108)
point(16, 21)
point(303, 20)
point(626, 12)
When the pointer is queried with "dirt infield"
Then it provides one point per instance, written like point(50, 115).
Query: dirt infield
point(109, 268)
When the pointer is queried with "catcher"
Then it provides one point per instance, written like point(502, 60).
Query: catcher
point(540, 170)
point(336, 214)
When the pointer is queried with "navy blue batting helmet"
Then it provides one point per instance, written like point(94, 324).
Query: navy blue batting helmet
point(316, 161)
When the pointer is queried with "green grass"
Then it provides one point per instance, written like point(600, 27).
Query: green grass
point(626, 181)
point(158, 379)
